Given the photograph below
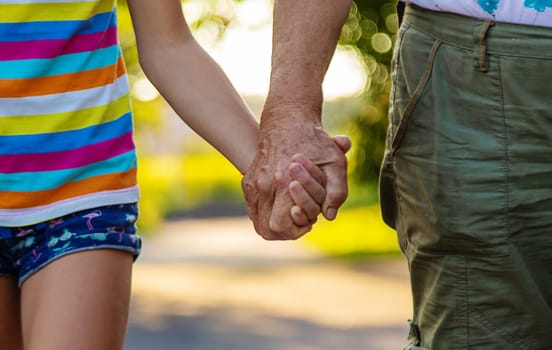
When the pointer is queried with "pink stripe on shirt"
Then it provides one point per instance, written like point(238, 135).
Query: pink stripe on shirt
point(18, 163)
point(21, 50)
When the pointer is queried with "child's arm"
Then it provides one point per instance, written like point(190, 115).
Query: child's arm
point(193, 84)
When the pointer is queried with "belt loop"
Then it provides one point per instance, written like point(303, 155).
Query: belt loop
point(481, 47)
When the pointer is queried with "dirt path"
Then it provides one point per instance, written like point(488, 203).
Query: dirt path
point(213, 284)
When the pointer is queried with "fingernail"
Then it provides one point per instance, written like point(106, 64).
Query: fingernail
point(331, 213)
point(295, 169)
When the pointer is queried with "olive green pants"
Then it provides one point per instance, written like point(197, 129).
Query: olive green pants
point(467, 180)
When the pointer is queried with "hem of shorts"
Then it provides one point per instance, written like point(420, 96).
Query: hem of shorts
point(28, 274)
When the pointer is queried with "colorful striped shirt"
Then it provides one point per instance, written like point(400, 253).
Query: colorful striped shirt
point(66, 139)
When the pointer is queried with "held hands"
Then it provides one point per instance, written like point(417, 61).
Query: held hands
point(299, 172)
point(307, 188)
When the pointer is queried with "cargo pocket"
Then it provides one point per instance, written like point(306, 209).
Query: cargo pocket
point(413, 99)
point(408, 84)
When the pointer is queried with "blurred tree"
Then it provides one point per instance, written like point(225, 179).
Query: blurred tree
point(370, 30)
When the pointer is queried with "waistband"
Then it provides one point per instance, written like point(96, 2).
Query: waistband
point(468, 32)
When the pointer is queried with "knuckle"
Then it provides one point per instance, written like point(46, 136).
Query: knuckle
point(338, 196)
point(319, 197)
point(280, 181)
point(313, 213)
point(276, 227)
point(307, 180)
point(301, 201)
point(310, 209)
point(246, 184)
point(265, 232)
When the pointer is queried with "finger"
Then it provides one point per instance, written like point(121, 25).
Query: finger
point(313, 170)
point(343, 142)
point(303, 200)
point(314, 189)
point(336, 188)
point(265, 221)
point(298, 216)
point(257, 210)
point(280, 218)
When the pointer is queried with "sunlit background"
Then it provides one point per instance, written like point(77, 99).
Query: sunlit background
point(201, 257)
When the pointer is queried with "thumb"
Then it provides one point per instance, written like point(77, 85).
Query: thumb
point(343, 142)
point(336, 188)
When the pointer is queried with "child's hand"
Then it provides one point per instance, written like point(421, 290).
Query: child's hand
point(308, 188)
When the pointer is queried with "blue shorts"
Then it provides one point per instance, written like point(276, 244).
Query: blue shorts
point(25, 250)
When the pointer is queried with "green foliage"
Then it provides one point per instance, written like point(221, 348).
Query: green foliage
point(370, 29)
point(347, 239)
point(170, 184)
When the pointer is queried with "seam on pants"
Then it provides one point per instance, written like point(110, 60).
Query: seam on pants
point(461, 316)
point(507, 338)
point(506, 161)
point(416, 95)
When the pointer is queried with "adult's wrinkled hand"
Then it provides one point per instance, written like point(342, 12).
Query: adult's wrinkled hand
point(286, 133)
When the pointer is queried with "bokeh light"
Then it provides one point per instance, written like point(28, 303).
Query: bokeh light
point(381, 42)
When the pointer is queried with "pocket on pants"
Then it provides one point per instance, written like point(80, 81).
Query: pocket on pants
point(408, 85)
point(413, 66)
point(451, 157)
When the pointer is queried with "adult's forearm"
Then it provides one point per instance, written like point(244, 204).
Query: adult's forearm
point(304, 40)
